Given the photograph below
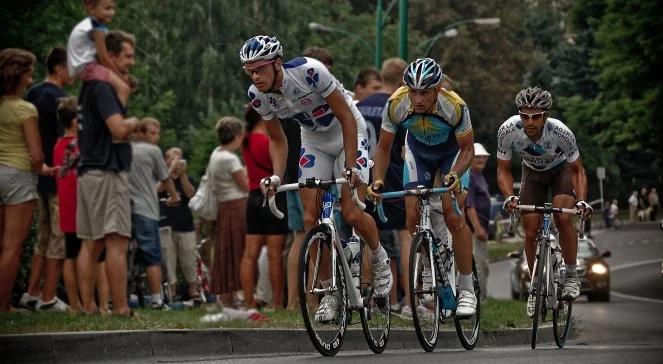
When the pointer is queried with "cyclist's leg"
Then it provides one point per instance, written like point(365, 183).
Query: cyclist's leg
point(563, 196)
point(532, 192)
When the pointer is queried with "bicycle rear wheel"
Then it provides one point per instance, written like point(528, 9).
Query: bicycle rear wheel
point(468, 328)
point(375, 316)
point(326, 337)
point(423, 293)
point(561, 314)
point(539, 263)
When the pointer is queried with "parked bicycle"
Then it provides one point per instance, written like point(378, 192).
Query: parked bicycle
point(326, 266)
point(433, 284)
point(549, 274)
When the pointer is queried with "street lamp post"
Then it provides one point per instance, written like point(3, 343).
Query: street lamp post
point(451, 31)
point(316, 27)
point(402, 34)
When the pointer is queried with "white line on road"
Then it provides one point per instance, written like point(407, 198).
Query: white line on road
point(631, 265)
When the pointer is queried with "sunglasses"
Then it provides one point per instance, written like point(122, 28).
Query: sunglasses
point(257, 69)
point(535, 116)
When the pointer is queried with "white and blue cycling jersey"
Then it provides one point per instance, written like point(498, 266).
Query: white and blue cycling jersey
point(301, 97)
point(556, 146)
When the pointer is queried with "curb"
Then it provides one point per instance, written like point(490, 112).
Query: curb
point(131, 345)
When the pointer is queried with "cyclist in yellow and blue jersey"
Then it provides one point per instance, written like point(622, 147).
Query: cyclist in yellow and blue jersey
point(439, 140)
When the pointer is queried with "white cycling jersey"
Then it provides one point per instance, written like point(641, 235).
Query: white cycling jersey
point(306, 84)
point(556, 145)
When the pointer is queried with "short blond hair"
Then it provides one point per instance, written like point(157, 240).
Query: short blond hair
point(392, 71)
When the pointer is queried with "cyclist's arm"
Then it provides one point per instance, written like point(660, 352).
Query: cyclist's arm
point(342, 111)
point(579, 179)
point(466, 144)
point(504, 177)
point(382, 154)
point(278, 146)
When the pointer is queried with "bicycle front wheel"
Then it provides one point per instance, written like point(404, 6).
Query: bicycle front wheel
point(326, 328)
point(468, 328)
point(539, 294)
point(423, 293)
point(375, 316)
point(561, 315)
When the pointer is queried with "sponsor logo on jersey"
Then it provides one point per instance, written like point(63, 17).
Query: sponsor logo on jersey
point(306, 101)
point(307, 161)
point(272, 101)
point(313, 78)
point(256, 103)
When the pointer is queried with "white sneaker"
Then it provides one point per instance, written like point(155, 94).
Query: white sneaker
point(382, 279)
point(28, 301)
point(56, 305)
point(329, 307)
point(531, 305)
point(467, 304)
point(571, 289)
point(406, 312)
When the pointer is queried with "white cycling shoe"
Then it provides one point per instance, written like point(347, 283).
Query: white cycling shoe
point(382, 279)
point(328, 309)
point(571, 289)
point(467, 304)
point(531, 305)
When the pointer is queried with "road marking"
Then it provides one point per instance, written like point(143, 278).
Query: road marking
point(645, 241)
point(634, 264)
point(631, 243)
point(631, 265)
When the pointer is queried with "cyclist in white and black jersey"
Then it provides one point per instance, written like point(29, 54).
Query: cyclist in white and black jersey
point(333, 138)
point(551, 160)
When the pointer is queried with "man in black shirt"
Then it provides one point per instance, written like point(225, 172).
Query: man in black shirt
point(103, 216)
point(49, 252)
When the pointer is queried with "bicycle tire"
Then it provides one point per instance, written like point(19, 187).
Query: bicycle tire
point(374, 310)
point(419, 251)
point(470, 342)
point(562, 315)
point(331, 343)
point(539, 262)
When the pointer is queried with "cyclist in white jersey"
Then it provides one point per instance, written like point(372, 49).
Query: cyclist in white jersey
point(333, 138)
point(551, 160)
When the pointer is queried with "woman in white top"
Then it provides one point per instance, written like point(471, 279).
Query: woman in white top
point(228, 177)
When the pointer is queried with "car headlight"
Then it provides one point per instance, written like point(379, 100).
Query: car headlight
point(599, 268)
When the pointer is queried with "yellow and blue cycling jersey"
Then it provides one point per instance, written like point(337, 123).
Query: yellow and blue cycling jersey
point(448, 119)
point(431, 142)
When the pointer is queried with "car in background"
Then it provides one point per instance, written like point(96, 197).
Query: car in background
point(593, 272)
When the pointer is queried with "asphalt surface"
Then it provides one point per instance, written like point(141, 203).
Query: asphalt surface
point(634, 314)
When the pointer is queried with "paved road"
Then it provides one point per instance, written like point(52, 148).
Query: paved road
point(635, 313)
point(629, 329)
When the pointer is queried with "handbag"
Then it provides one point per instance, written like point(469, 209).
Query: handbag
point(204, 202)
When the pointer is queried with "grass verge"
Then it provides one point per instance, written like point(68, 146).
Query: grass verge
point(495, 314)
point(498, 251)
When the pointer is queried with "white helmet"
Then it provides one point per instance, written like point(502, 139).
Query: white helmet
point(423, 73)
point(535, 98)
point(260, 47)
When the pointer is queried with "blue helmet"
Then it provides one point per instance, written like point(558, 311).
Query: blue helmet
point(422, 73)
point(260, 47)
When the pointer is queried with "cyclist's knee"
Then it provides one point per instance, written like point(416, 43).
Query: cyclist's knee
point(563, 220)
point(309, 220)
point(455, 223)
point(352, 217)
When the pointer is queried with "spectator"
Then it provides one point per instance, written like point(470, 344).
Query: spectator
point(230, 183)
point(477, 208)
point(103, 210)
point(643, 205)
point(148, 168)
point(180, 243)
point(633, 206)
point(262, 228)
point(613, 212)
point(606, 213)
point(371, 108)
point(321, 54)
point(21, 158)
point(65, 155)
point(367, 83)
point(653, 204)
point(87, 53)
point(49, 251)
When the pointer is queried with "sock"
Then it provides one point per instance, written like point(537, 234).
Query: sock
point(379, 254)
point(156, 298)
point(466, 283)
point(571, 271)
